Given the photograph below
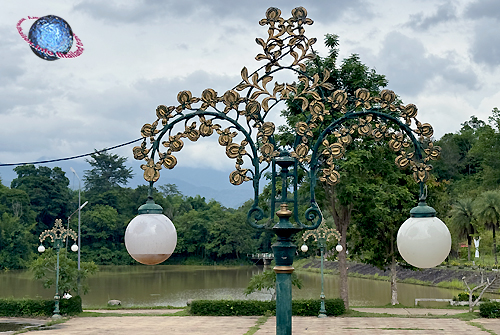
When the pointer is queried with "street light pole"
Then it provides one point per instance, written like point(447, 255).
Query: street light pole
point(58, 235)
point(322, 235)
point(79, 223)
point(331, 117)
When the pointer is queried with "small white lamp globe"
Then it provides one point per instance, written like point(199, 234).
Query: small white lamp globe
point(41, 248)
point(74, 248)
point(150, 237)
point(304, 248)
point(424, 240)
point(339, 248)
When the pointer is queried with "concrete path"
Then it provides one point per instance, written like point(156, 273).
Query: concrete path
point(415, 322)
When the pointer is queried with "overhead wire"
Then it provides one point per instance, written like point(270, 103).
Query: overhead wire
point(72, 157)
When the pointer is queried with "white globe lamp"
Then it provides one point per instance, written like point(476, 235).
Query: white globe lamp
point(150, 237)
point(304, 248)
point(339, 248)
point(74, 248)
point(41, 248)
point(424, 240)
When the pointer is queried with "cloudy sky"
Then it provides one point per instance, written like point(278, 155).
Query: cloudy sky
point(443, 56)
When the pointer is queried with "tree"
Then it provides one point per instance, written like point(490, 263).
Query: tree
point(462, 221)
point(266, 281)
point(108, 172)
point(487, 211)
point(339, 199)
point(47, 190)
point(44, 269)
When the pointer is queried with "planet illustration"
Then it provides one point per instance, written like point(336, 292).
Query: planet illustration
point(50, 35)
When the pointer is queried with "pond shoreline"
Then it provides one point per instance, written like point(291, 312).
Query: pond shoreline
point(428, 277)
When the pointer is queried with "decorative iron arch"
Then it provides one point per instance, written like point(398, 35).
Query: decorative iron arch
point(286, 48)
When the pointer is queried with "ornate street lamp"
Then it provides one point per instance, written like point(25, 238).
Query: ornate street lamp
point(322, 235)
point(58, 235)
point(238, 117)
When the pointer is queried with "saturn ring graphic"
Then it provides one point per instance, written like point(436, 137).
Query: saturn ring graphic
point(50, 37)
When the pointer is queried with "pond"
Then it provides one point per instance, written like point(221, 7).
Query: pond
point(173, 285)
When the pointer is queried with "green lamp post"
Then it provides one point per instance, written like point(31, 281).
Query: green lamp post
point(322, 235)
point(58, 235)
point(240, 119)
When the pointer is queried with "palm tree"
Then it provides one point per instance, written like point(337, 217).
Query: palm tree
point(462, 221)
point(487, 210)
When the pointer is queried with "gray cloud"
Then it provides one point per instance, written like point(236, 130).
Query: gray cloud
point(150, 11)
point(483, 9)
point(408, 68)
point(444, 13)
point(485, 48)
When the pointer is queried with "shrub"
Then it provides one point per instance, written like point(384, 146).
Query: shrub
point(38, 307)
point(308, 307)
point(490, 309)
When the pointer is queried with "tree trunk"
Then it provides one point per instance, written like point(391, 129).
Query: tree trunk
point(495, 245)
point(394, 285)
point(469, 242)
point(342, 216)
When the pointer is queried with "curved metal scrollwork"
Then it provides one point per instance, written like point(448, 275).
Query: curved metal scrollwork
point(238, 117)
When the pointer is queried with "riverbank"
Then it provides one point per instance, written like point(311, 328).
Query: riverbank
point(438, 276)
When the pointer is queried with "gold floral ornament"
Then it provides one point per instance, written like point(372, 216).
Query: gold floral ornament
point(151, 170)
point(209, 99)
point(206, 127)
point(164, 113)
point(409, 112)
point(424, 130)
point(318, 111)
point(396, 141)
point(404, 159)
point(338, 99)
point(387, 97)
point(301, 151)
point(304, 129)
point(226, 136)
point(235, 150)
point(380, 131)
point(330, 175)
point(169, 161)
point(267, 151)
point(252, 111)
point(365, 126)
point(362, 98)
point(174, 143)
point(432, 152)
point(140, 152)
point(335, 150)
point(238, 176)
point(185, 98)
point(232, 100)
point(421, 172)
point(149, 130)
point(344, 135)
point(191, 132)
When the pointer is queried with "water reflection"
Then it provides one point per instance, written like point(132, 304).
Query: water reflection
point(174, 284)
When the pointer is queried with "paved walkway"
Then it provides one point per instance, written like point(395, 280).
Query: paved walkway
point(128, 325)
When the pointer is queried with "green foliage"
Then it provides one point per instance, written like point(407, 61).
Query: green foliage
point(47, 190)
point(38, 308)
point(490, 309)
point(108, 172)
point(44, 269)
point(310, 307)
point(267, 281)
